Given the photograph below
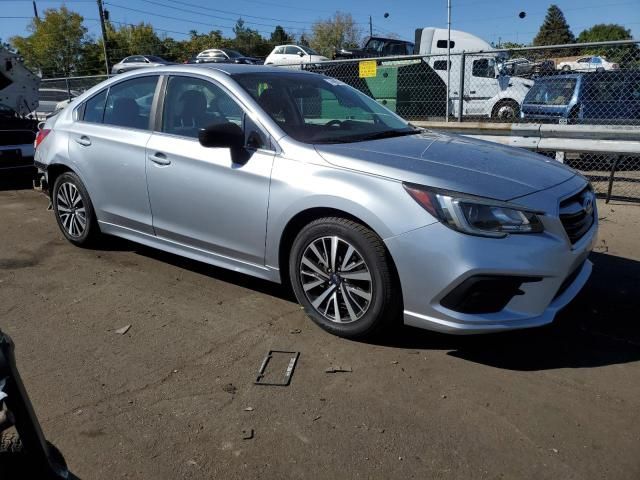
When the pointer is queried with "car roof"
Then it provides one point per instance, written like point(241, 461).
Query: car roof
point(229, 68)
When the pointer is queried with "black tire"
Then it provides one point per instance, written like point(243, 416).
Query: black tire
point(385, 304)
point(512, 105)
point(566, 68)
point(91, 230)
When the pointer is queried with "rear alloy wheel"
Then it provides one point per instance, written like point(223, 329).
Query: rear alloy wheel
point(73, 209)
point(341, 274)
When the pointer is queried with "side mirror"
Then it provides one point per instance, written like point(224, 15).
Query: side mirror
point(301, 54)
point(222, 135)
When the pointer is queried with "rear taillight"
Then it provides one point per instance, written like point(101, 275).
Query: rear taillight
point(42, 134)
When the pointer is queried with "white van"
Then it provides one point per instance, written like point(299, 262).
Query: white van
point(487, 92)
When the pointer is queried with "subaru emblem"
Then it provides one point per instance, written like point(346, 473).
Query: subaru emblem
point(587, 203)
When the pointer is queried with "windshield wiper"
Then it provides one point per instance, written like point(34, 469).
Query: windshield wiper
point(389, 134)
point(372, 136)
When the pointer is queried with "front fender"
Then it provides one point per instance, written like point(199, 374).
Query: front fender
point(379, 202)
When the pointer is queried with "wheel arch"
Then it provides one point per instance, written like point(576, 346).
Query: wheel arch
point(53, 172)
point(304, 217)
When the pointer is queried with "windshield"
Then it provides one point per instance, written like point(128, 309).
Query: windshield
point(557, 91)
point(232, 53)
point(308, 50)
point(318, 109)
point(374, 45)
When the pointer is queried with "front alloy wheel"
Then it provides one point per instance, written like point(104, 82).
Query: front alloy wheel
point(343, 276)
point(336, 279)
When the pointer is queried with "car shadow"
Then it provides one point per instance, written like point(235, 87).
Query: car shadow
point(600, 327)
point(109, 243)
point(16, 180)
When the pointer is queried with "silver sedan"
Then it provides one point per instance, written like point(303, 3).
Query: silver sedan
point(298, 178)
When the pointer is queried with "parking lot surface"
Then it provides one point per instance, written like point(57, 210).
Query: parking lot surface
point(171, 397)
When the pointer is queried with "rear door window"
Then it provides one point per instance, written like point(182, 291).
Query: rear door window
point(129, 102)
point(94, 108)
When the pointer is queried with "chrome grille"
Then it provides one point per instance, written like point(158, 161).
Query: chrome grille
point(577, 213)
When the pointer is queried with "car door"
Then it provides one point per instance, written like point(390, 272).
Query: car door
point(595, 64)
point(480, 87)
point(108, 145)
point(207, 198)
point(292, 55)
point(583, 64)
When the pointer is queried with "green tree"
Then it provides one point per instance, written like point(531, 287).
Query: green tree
point(511, 45)
point(554, 30)
point(279, 36)
point(56, 45)
point(339, 31)
point(604, 32)
point(125, 40)
point(304, 40)
point(249, 41)
point(202, 41)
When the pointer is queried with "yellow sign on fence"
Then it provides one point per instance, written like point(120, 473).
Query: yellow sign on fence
point(368, 68)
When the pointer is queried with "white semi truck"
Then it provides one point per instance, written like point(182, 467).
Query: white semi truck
point(486, 90)
point(18, 123)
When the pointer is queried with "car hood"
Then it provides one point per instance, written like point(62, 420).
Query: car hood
point(451, 162)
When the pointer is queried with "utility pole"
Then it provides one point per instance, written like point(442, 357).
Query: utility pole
point(370, 26)
point(449, 56)
point(35, 10)
point(104, 35)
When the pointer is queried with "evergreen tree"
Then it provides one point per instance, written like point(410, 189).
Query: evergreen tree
point(555, 29)
point(279, 36)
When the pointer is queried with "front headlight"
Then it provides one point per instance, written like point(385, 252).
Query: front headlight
point(475, 215)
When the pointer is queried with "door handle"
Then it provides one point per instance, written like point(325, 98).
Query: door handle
point(84, 141)
point(159, 158)
point(472, 92)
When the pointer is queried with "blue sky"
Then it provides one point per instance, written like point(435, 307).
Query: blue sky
point(489, 19)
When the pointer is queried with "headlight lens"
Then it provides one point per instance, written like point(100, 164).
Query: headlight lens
point(475, 215)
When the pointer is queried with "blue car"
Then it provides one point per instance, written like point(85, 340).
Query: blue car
point(613, 97)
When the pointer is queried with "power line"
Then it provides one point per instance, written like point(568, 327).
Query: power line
point(187, 20)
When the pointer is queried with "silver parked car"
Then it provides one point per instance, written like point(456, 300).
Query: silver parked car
point(138, 61)
point(296, 177)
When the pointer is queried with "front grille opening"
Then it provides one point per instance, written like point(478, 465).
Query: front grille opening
point(577, 214)
point(485, 293)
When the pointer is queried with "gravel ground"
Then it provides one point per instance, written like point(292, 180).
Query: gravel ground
point(171, 397)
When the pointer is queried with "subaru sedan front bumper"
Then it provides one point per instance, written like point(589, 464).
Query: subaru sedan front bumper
point(434, 261)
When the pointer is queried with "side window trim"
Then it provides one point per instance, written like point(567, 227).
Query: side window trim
point(81, 109)
point(150, 126)
point(159, 109)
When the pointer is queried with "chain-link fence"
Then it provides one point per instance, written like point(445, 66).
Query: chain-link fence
point(595, 83)
point(54, 93)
